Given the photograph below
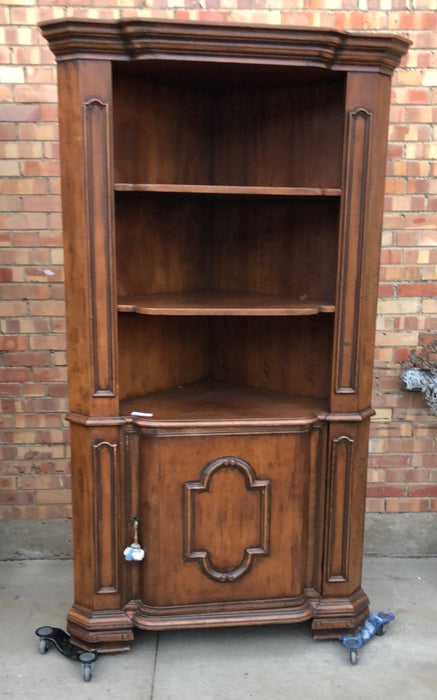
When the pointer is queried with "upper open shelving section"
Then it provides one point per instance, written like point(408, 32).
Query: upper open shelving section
point(224, 186)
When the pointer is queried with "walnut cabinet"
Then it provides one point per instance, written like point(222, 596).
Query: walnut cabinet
point(222, 201)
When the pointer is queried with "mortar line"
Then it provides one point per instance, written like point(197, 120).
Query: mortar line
point(152, 687)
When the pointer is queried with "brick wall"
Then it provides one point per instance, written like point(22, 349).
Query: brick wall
point(34, 470)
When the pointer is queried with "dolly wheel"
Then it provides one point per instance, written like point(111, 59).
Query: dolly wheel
point(353, 655)
point(43, 645)
point(87, 672)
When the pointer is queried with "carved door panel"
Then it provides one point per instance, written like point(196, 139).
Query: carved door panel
point(227, 518)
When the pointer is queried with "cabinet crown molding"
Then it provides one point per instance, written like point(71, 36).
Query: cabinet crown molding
point(144, 39)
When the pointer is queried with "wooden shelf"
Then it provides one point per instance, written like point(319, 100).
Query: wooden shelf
point(211, 401)
point(228, 190)
point(221, 304)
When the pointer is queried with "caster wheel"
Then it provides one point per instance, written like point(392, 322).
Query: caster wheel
point(381, 631)
point(87, 672)
point(353, 655)
point(43, 646)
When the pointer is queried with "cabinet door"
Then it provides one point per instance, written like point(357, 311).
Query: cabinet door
point(229, 517)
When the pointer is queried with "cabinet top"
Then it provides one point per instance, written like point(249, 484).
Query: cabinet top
point(170, 40)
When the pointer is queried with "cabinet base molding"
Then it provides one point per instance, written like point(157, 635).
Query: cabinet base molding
point(112, 630)
point(335, 617)
point(236, 614)
point(104, 631)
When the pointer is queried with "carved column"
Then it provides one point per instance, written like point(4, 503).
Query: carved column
point(343, 604)
point(97, 617)
point(364, 153)
point(88, 221)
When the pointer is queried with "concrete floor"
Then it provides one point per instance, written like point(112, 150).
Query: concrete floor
point(264, 663)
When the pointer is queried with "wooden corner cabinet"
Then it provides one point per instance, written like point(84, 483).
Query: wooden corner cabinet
point(222, 199)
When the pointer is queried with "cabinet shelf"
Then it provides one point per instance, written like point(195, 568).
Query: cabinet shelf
point(228, 190)
point(221, 304)
point(211, 401)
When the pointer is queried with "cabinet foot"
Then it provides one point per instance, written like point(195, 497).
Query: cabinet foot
point(104, 631)
point(336, 617)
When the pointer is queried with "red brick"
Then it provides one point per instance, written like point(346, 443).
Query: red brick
point(16, 497)
point(50, 404)
point(46, 374)
point(7, 483)
point(37, 168)
point(10, 389)
point(386, 290)
point(417, 475)
point(34, 389)
point(385, 491)
point(23, 221)
point(420, 459)
point(47, 308)
point(375, 505)
point(39, 482)
point(20, 112)
point(39, 203)
point(48, 342)
point(423, 289)
point(33, 420)
point(25, 239)
point(40, 74)
point(55, 221)
point(60, 389)
point(26, 359)
point(388, 460)
point(24, 186)
point(395, 476)
point(390, 256)
point(422, 491)
point(6, 274)
point(8, 132)
point(14, 343)
point(38, 93)
point(42, 512)
point(407, 505)
point(6, 512)
point(405, 238)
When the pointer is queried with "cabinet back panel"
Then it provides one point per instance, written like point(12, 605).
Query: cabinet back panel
point(278, 354)
point(276, 246)
point(279, 136)
point(162, 133)
point(163, 244)
point(156, 353)
point(237, 134)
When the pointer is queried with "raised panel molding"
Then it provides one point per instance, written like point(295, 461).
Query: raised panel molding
point(353, 227)
point(99, 218)
point(105, 468)
point(195, 489)
point(338, 517)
